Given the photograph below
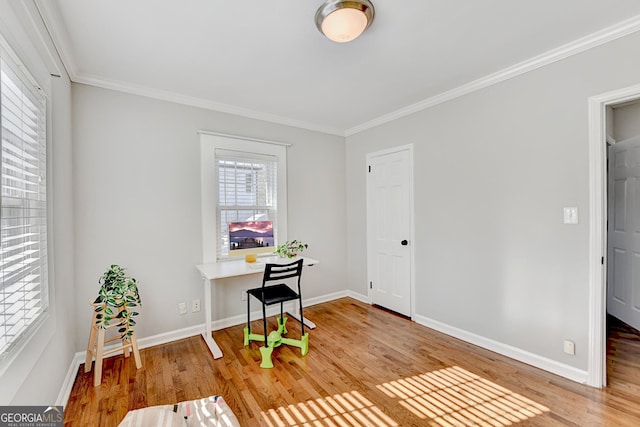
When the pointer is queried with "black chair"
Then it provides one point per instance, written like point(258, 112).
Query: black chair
point(269, 294)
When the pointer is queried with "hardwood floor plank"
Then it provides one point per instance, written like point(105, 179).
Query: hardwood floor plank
point(365, 367)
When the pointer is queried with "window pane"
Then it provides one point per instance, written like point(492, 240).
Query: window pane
point(23, 228)
point(246, 192)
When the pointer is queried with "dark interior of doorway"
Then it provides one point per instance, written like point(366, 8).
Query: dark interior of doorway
point(391, 311)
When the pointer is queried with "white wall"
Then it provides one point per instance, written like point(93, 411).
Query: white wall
point(626, 121)
point(137, 203)
point(493, 171)
point(36, 377)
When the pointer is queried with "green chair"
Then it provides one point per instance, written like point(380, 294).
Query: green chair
point(269, 294)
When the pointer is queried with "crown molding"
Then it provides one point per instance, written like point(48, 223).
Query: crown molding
point(51, 17)
point(207, 104)
point(575, 47)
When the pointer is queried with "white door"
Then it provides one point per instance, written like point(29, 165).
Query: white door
point(623, 281)
point(389, 213)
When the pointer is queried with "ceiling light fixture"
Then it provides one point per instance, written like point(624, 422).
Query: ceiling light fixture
point(343, 21)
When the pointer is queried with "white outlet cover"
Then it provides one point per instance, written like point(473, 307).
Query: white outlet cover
point(569, 347)
point(571, 215)
point(182, 308)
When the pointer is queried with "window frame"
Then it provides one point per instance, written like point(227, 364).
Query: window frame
point(43, 327)
point(209, 142)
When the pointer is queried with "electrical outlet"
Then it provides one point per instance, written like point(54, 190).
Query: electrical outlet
point(569, 347)
point(182, 308)
point(243, 295)
point(195, 305)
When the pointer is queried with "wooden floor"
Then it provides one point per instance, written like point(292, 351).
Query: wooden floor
point(365, 367)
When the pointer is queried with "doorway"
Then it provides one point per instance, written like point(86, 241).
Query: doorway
point(623, 221)
point(598, 262)
point(390, 229)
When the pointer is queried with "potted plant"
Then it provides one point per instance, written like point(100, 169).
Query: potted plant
point(290, 249)
point(117, 297)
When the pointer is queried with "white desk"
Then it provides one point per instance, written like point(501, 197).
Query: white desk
point(220, 270)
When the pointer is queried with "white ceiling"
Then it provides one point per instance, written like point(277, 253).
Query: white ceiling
point(266, 59)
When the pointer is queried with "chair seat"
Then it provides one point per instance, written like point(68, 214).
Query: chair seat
point(274, 294)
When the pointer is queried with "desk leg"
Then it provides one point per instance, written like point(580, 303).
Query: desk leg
point(207, 334)
point(296, 315)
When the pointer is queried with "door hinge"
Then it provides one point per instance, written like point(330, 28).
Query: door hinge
point(602, 261)
point(369, 168)
point(370, 285)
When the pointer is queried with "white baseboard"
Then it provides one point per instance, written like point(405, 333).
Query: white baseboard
point(69, 379)
point(360, 297)
point(504, 349)
point(190, 331)
point(80, 357)
point(518, 354)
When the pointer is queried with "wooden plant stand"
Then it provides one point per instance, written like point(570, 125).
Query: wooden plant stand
point(96, 347)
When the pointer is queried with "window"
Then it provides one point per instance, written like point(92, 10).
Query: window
point(242, 180)
point(247, 191)
point(23, 206)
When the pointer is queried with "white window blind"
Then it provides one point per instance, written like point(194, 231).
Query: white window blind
point(23, 214)
point(247, 191)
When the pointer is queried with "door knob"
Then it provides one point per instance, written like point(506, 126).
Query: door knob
point(404, 243)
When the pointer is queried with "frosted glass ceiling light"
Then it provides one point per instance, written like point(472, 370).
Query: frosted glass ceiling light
point(343, 21)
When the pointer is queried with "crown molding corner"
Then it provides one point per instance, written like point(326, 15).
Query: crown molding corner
point(50, 15)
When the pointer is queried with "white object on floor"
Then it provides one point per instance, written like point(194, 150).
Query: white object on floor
point(211, 411)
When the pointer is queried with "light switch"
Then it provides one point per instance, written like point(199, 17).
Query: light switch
point(571, 215)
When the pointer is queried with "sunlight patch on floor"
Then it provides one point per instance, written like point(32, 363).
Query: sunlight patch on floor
point(453, 397)
point(341, 410)
point(450, 397)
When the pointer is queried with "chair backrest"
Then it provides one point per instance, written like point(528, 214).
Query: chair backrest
point(274, 272)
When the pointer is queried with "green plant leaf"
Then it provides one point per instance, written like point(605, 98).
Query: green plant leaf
point(117, 291)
